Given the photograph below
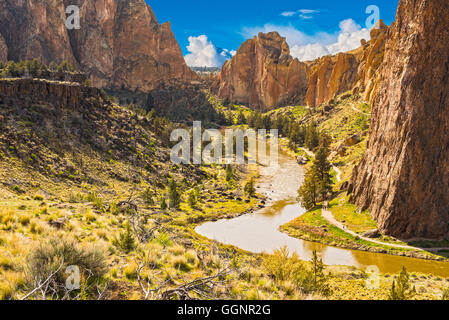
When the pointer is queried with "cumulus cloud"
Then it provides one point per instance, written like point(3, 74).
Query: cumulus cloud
point(203, 53)
point(309, 47)
point(348, 39)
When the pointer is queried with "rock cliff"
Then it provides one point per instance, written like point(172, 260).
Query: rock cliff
point(119, 44)
point(403, 177)
point(263, 74)
point(356, 70)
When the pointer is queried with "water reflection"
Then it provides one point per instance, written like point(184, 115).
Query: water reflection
point(259, 232)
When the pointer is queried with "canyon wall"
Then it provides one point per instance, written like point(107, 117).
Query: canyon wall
point(403, 178)
point(120, 44)
point(263, 75)
point(355, 71)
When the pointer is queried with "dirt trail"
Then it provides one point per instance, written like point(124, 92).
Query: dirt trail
point(329, 217)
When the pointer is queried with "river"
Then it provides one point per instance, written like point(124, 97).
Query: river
point(259, 231)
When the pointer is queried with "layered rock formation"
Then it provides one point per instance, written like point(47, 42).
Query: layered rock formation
point(356, 70)
point(403, 178)
point(120, 43)
point(263, 74)
point(43, 91)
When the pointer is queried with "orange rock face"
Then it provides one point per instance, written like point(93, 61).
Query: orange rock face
point(403, 178)
point(356, 70)
point(119, 43)
point(35, 29)
point(263, 75)
point(330, 76)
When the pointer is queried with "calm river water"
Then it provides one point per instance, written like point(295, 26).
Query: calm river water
point(259, 232)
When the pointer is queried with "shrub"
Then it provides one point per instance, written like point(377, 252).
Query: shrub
point(445, 294)
point(55, 256)
point(17, 189)
point(24, 220)
point(281, 266)
point(401, 289)
point(97, 201)
point(75, 198)
point(249, 188)
point(130, 271)
point(126, 241)
point(147, 197)
point(38, 197)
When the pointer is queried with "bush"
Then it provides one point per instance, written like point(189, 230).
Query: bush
point(147, 197)
point(59, 254)
point(401, 289)
point(97, 201)
point(126, 241)
point(38, 197)
point(249, 188)
point(445, 294)
point(281, 266)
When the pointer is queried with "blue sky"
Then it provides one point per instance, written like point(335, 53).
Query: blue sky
point(314, 27)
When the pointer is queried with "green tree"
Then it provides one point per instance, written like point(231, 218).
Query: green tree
point(322, 168)
point(312, 137)
point(401, 289)
point(192, 199)
point(126, 241)
point(163, 203)
point(229, 173)
point(174, 197)
point(308, 193)
point(318, 275)
point(249, 188)
point(147, 197)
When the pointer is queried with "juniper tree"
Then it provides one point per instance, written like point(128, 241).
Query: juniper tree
point(249, 188)
point(229, 173)
point(401, 289)
point(174, 197)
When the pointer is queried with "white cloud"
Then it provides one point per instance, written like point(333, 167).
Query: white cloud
point(203, 53)
point(308, 11)
point(309, 51)
point(288, 13)
point(305, 17)
point(309, 47)
point(305, 14)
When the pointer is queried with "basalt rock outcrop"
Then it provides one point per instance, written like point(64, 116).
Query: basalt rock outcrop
point(263, 75)
point(27, 92)
point(403, 178)
point(120, 44)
